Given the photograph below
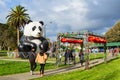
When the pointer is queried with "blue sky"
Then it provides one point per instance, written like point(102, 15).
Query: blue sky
point(68, 15)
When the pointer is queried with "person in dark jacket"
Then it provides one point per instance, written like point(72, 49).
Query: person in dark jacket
point(73, 56)
point(32, 57)
point(81, 56)
point(67, 56)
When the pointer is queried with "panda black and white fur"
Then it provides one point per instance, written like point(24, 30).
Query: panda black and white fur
point(32, 38)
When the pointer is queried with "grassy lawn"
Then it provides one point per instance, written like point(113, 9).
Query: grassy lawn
point(109, 71)
point(3, 53)
point(96, 56)
point(13, 67)
point(91, 57)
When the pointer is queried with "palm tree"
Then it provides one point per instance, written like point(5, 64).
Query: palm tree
point(17, 18)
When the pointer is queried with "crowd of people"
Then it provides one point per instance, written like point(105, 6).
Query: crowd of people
point(70, 55)
point(113, 51)
point(41, 58)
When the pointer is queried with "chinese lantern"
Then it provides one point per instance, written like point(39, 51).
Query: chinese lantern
point(63, 40)
point(80, 41)
point(69, 40)
point(91, 38)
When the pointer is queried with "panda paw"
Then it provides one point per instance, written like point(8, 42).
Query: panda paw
point(41, 46)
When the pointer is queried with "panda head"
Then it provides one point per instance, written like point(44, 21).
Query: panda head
point(34, 29)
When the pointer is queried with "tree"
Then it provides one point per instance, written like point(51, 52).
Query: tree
point(113, 34)
point(10, 42)
point(7, 37)
point(3, 27)
point(17, 18)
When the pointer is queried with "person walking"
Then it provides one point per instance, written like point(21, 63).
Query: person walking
point(32, 57)
point(74, 55)
point(112, 51)
point(67, 54)
point(41, 59)
point(81, 56)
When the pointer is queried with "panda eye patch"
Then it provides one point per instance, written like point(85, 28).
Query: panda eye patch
point(34, 28)
point(40, 28)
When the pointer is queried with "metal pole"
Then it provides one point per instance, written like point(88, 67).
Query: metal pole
point(44, 34)
point(105, 58)
point(44, 29)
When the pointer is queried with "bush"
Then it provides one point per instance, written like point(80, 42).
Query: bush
point(3, 53)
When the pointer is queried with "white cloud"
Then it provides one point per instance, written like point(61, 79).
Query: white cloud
point(2, 3)
point(60, 8)
point(70, 15)
point(3, 11)
point(95, 2)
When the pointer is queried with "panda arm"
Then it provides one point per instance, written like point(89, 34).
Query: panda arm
point(26, 46)
point(45, 44)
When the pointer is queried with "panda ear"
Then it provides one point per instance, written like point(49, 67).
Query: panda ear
point(41, 22)
point(29, 21)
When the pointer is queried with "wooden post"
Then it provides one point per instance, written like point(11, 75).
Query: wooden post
point(81, 47)
point(57, 50)
point(86, 50)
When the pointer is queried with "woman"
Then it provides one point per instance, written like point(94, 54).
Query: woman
point(41, 59)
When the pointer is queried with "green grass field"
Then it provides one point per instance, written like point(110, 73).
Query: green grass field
point(109, 71)
point(91, 57)
point(14, 67)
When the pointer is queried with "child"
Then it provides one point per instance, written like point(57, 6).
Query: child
point(32, 57)
point(41, 59)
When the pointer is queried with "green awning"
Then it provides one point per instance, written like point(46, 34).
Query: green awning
point(108, 44)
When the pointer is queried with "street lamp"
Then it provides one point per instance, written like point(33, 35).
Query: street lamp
point(44, 33)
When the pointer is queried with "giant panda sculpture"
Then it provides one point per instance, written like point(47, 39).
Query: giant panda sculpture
point(32, 38)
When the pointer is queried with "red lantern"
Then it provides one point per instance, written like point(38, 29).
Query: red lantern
point(101, 40)
point(63, 40)
point(96, 40)
point(104, 41)
point(91, 38)
point(69, 40)
point(80, 41)
point(74, 41)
